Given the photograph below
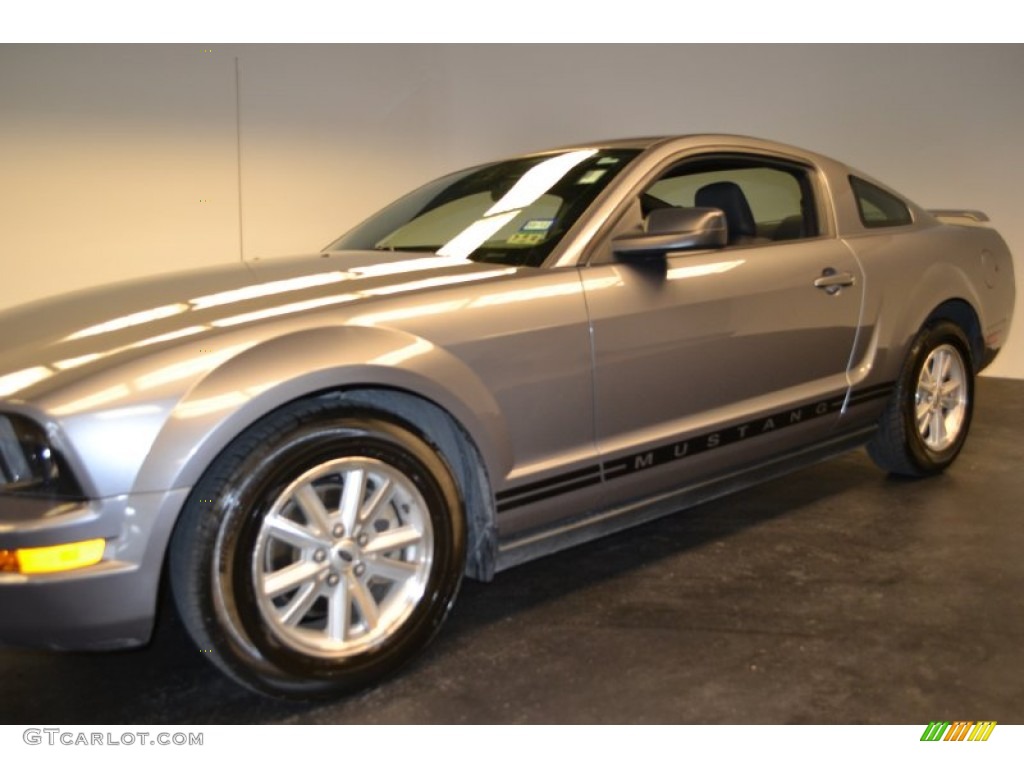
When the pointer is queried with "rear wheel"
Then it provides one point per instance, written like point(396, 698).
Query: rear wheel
point(927, 420)
point(320, 552)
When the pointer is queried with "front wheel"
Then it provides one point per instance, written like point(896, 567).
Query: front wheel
point(927, 420)
point(320, 552)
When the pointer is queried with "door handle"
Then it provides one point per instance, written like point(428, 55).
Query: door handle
point(832, 281)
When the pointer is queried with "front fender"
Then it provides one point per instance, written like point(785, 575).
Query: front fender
point(268, 375)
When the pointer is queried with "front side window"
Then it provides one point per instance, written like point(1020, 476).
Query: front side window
point(763, 201)
point(513, 212)
point(878, 208)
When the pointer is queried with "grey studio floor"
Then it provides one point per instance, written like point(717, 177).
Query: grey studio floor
point(836, 595)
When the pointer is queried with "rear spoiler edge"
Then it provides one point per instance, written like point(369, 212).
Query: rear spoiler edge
point(958, 216)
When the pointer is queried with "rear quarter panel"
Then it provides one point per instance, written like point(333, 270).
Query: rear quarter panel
point(909, 272)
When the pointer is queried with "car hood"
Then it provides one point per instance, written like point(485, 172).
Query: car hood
point(49, 342)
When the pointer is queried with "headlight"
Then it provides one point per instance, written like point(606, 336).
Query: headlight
point(29, 464)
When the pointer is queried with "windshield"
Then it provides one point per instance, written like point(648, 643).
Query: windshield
point(514, 212)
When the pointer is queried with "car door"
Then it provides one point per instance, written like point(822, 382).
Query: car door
point(710, 361)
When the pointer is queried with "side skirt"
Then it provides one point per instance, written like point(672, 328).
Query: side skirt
point(589, 527)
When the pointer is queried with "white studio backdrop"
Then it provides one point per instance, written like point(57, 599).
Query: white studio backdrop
point(118, 161)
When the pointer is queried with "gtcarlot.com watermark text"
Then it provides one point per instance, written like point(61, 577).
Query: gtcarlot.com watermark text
point(60, 737)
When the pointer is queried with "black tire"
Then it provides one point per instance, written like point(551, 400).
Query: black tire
point(255, 514)
point(903, 445)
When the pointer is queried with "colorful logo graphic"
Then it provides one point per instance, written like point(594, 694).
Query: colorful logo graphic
point(959, 730)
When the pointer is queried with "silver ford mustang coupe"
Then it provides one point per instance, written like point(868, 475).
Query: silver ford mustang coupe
point(510, 360)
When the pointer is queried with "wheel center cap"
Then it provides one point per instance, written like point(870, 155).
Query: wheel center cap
point(347, 551)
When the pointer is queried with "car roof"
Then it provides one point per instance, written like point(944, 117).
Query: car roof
point(695, 140)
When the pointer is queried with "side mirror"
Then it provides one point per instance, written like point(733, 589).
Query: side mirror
point(675, 229)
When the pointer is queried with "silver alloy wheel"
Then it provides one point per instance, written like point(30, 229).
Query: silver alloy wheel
point(342, 558)
point(941, 398)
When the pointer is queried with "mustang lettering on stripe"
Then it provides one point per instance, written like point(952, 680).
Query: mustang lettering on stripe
point(653, 457)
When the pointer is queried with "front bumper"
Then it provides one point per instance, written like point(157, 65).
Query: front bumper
point(111, 604)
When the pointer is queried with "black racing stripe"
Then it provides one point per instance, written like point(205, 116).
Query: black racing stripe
point(519, 501)
point(872, 393)
point(720, 437)
point(681, 449)
point(593, 469)
point(620, 469)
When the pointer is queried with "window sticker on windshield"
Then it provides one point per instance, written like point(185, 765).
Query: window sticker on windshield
point(526, 238)
point(608, 161)
point(537, 225)
point(591, 176)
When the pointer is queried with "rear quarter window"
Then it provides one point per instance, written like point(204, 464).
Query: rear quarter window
point(878, 208)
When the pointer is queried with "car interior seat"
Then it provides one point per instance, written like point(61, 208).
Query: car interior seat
point(790, 228)
point(729, 198)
